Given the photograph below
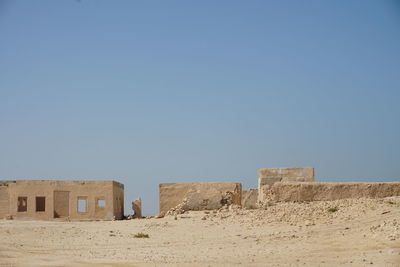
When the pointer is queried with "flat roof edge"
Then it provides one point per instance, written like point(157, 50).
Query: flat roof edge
point(56, 180)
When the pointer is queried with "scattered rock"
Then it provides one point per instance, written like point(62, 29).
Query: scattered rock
point(308, 223)
point(179, 209)
point(159, 216)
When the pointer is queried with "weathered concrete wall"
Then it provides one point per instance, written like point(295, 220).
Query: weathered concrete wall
point(4, 200)
point(268, 176)
point(315, 191)
point(272, 175)
point(90, 191)
point(198, 196)
point(249, 198)
point(118, 200)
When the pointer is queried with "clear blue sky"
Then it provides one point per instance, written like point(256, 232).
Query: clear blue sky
point(147, 92)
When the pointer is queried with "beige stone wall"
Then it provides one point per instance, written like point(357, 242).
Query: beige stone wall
point(118, 204)
point(250, 198)
point(91, 191)
point(268, 176)
point(198, 196)
point(4, 200)
point(298, 192)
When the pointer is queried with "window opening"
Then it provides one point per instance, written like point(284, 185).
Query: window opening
point(82, 204)
point(40, 203)
point(22, 204)
point(101, 203)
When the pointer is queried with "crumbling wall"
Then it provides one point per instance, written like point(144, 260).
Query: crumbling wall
point(137, 208)
point(199, 196)
point(249, 198)
point(269, 176)
point(315, 191)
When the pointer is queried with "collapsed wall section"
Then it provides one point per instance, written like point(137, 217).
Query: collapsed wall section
point(317, 191)
point(199, 196)
point(249, 198)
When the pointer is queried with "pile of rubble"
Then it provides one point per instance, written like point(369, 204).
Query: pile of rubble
point(179, 209)
point(389, 228)
point(312, 213)
point(194, 202)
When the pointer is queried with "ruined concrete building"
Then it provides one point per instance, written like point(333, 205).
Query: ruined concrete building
point(73, 200)
point(298, 185)
point(274, 185)
point(199, 196)
point(214, 195)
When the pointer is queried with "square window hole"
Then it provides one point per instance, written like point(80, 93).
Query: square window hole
point(101, 203)
point(22, 204)
point(82, 204)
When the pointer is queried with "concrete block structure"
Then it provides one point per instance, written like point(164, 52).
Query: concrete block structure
point(72, 200)
point(268, 176)
point(199, 196)
point(319, 191)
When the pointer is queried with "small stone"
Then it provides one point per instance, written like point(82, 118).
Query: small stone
point(308, 223)
point(159, 216)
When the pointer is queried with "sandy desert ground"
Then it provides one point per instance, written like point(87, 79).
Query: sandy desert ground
point(362, 232)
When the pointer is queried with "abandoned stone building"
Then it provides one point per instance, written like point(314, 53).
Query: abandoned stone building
point(213, 195)
point(199, 196)
point(274, 185)
point(72, 200)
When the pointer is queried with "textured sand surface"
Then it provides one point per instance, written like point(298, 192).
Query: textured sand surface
point(361, 232)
